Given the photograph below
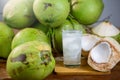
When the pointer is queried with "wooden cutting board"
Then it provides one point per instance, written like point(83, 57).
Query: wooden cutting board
point(83, 69)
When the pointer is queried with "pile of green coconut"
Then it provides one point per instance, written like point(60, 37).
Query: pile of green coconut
point(39, 24)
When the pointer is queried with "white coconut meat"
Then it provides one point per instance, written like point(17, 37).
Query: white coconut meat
point(101, 53)
point(105, 29)
point(88, 41)
point(105, 55)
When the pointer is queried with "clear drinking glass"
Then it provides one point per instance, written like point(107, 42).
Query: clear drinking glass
point(71, 47)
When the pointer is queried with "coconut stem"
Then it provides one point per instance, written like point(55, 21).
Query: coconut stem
point(106, 19)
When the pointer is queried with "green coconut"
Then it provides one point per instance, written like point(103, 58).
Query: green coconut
point(51, 12)
point(29, 34)
point(69, 24)
point(19, 13)
point(57, 39)
point(31, 61)
point(41, 27)
point(6, 36)
point(77, 26)
point(87, 11)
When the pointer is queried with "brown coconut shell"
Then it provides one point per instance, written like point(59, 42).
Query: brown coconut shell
point(114, 59)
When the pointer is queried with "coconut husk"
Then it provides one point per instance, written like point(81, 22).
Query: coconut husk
point(113, 60)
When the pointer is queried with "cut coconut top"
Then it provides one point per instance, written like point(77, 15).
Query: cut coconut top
point(88, 41)
point(101, 52)
point(106, 29)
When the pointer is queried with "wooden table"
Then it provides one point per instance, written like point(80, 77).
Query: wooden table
point(115, 75)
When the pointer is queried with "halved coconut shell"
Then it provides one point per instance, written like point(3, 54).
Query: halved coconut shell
point(112, 52)
point(88, 41)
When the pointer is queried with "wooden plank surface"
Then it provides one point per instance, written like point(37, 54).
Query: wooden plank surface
point(83, 69)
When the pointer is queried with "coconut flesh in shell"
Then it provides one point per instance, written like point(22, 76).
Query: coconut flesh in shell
point(104, 55)
point(88, 41)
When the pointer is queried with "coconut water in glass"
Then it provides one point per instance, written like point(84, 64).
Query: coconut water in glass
point(71, 47)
